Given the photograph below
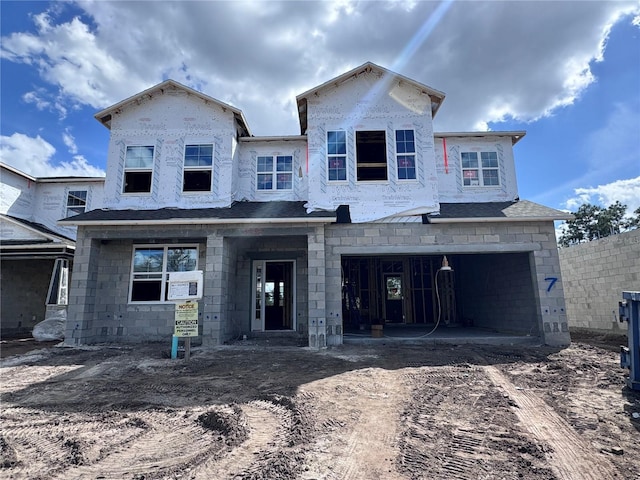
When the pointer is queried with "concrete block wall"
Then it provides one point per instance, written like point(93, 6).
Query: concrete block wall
point(595, 275)
point(23, 288)
point(497, 292)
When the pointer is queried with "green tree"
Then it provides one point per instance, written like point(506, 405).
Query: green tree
point(592, 222)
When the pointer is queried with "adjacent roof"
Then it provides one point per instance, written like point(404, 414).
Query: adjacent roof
point(51, 245)
point(47, 234)
point(436, 96)
point(105, 115)
point(238, 212)
point(521, 210)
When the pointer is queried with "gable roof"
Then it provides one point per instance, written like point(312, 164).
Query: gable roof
point(104, 116)
point(45, 233)
point(237, 213)
point(518, 211)
point(436, 96)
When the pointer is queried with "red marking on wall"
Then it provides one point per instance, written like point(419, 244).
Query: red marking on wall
point(446, 159)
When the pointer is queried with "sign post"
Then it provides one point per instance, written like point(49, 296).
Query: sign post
point(184, 289)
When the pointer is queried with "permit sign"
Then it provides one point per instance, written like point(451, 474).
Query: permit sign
point(186, 320)
point(185, 285)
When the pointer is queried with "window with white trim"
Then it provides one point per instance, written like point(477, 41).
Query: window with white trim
point(138, 169)
point(76, 202)
point(274, 173)
point(480, 169)
point(406, 154)
point(151, 265)
point(198, 167)
point(337, 155)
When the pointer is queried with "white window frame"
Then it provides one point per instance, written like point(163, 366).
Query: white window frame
point(197, 168)
point(162, 275)
point(274, 172)
point(73, 208)
point(480, 169)
point(138, 169)
point(406, 154)
point(337, 156)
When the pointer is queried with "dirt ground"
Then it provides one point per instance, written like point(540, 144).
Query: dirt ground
point(256, 411)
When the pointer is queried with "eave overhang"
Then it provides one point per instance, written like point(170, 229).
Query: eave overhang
point(105, 116)
point(436, 96)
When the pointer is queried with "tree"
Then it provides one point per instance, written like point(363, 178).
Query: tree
point(592, 222)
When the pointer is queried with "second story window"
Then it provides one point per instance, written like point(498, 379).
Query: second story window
point(371, 154)
point(275, 175)
point(337, 155)
point(76, 202)
point(406, 154)
point(198, 165)
point(138, 169)
point(480, 169)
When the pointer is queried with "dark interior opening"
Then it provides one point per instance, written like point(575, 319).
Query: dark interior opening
point(137, 182)
point(371, 154)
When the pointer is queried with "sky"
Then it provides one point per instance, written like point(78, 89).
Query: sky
point(568, 73)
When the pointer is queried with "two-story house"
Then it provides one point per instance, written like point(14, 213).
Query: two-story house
point(347, 225)
point(36, 254)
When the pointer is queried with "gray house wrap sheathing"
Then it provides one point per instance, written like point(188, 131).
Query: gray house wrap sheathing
point(335, 230)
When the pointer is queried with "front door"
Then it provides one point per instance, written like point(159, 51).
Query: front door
point(273, 295)
point(394, 298)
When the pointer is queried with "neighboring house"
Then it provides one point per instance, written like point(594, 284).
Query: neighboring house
point(36, 254)
point(341, 227)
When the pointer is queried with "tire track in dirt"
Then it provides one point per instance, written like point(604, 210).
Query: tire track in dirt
point(359, 436)
point(165, 441)
point(455, 427)
point(267, 427)
point(571, 457)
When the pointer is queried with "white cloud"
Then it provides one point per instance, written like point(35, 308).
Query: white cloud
point(70, 142)
point(45, 100)
point(625, 191)
point(34, 155)
point(495, 60)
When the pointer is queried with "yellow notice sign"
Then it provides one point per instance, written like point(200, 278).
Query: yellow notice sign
point(186, 320)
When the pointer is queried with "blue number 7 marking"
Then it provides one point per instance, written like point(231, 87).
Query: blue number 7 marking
point(552, 281)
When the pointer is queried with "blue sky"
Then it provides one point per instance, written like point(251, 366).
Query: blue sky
point(566, 72)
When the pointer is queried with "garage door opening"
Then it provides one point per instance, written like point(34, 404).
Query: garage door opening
point(481, 292)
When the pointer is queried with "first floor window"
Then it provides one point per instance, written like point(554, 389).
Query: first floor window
point(151, 268)
point(76, 202)
point(138, 169)
point(198, 164)
point(275, 173)
point(406, 154)
point(337, 155)
point(480, 169)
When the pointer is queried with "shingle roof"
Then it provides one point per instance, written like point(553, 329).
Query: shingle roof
point(518, 210)
point(40, 228)
point(238, 211)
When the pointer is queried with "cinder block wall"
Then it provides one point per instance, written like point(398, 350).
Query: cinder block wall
point(24, 285)
point(595, 274)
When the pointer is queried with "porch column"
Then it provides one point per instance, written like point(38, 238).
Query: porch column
point(316, 278)
point(82, 291)
point(212, 305)
point(553, 314)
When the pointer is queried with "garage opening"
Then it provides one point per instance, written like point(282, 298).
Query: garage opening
point(493, 292)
